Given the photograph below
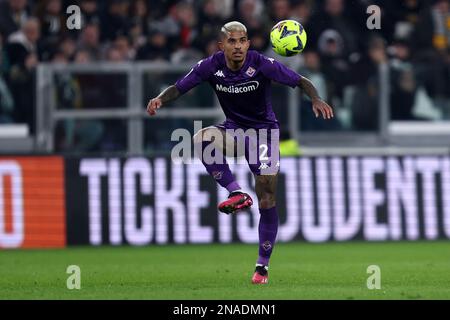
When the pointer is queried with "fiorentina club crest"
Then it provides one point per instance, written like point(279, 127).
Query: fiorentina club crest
point(217, 175)
point(267, 245)
point(250, 71)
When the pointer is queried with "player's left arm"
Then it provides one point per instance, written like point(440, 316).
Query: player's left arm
point(318, 105)
point(278, 72)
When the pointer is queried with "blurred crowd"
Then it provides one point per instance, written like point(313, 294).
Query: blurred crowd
point(343, 57)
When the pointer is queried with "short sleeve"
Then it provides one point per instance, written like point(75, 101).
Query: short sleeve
point(200, 72)
point(278, 72)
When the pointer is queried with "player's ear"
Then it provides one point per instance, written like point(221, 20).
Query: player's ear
point(220, 45)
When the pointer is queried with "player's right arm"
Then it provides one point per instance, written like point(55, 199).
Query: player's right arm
point(200, 72)
point(169, 94)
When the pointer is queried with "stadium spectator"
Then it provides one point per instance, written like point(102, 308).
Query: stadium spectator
point(158, 9)
point(260, 41)
point(169, 26)
point(440, 13)
point(416, 34)
point(122, 44)
point(251, 14)
point(4, 64)
point(114, 55)
point(59, 57)
point(301, 11)
point(6, 102)
point(332, 18)
point(6, 98)
point(89, 12)
point(13, 14)
point(186, 56)
point(90, 41)
point(312, 70)
point(367, 86)
point(187, 20)
point(137, 36)
point(279, 10)
point(139, 15)
point(432, 61)
point(209, 21)
point(155, 49)
point(68, 47)
point(335, 62)
point(403, 94)
point(404, 17)
point(23, 54)
point(400, 52)
point(53, 25)
point(82, 56)
point(225, 7)
point(116, 21)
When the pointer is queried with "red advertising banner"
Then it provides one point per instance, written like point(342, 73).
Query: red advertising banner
point(32, 202)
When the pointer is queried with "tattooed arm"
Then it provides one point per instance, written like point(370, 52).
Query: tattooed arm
point(318, 105)
point(169, 94)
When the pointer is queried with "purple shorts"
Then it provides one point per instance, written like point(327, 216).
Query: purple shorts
point(261, 147)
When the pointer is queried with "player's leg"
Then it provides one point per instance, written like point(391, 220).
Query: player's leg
point(266, 186)
point(265, 168)
point(211, 144)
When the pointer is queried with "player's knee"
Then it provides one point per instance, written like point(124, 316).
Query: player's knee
point(206, 134)
point(198, 137)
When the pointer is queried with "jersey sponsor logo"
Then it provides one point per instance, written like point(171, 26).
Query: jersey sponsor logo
point(239, 88)
point(250, 71)
point(219, 73)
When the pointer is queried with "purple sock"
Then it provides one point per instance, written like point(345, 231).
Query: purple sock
point(219, 171)
point(268, 227)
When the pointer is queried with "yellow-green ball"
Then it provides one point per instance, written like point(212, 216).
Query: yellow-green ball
point(288, 38)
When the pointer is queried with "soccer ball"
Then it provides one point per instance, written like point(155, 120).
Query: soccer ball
point(288, 38)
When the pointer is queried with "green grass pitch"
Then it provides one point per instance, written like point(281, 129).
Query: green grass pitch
point(409, 270)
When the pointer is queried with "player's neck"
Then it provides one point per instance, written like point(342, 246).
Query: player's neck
point(235, 66)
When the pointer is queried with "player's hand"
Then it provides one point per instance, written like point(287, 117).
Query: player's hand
point(153, 104)
point(321, 107)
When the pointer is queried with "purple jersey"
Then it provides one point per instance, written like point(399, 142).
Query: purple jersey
point(244, 95)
